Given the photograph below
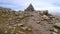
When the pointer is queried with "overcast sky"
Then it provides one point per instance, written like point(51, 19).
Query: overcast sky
point(50, 5)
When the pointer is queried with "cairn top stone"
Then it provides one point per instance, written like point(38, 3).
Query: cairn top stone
point(29, 8)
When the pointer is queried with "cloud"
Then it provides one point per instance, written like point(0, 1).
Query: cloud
point(38, 4)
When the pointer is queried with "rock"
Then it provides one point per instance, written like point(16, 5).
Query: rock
point(5, 32)
point(45, 12)
point(29, 29)
point(16, 13)
point(15, 25)
point(21, 24)
point(10, 19)
point(14, 28)
point(16, 33)
point(55, 30)
point(21, 32)
point(51, 16)
point(45, 17)
point(42, 19)
point(53, 33)
point(24, 28)
point(20, 16)
point(10, 27)
point(38, 22)
point(18, 19)
point(57, 25)
point(12, 31)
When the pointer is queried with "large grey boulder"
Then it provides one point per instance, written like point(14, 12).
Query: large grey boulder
point(57, 25)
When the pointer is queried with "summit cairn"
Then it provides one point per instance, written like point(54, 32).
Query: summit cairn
point(29, 8)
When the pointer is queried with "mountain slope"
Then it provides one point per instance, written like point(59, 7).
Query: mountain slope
point(26, 22)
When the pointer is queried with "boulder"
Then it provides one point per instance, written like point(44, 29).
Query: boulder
point(45, 12)
point(45, 17)
point(24, 28)
point(5, 31)
point(57, 25)
point(21, 24)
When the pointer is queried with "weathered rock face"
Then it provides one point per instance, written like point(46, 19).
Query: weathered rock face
point(27, 22)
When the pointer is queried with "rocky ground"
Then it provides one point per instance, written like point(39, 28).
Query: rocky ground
point(28, 22)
